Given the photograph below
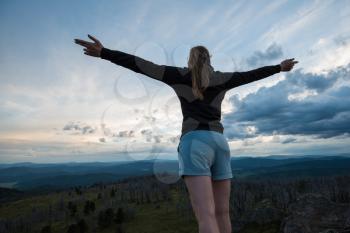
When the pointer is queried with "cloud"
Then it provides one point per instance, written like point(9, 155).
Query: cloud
point(288, 140)
point(328, 53)
point(102, 139)
point(174, 139)
point(84, 88)
point(325, 114)
point(150, 137)
point(274, 51)
point(342, 40)
point(316, 82)
point(307, 15)
point(125, 133)
point(79, 128)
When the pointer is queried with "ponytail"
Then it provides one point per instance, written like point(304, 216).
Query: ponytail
point(201, 70)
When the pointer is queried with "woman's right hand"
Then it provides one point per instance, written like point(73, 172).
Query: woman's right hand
point(288, 64)
point(91, 49)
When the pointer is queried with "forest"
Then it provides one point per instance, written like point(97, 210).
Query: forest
point(143, 204)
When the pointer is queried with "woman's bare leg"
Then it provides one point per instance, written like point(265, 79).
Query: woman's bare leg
point(201, 195)
point(222, 189)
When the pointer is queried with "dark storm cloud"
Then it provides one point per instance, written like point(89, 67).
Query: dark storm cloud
point(274, 51)
point(315, 82)
point(289, 140)
point(324, 115)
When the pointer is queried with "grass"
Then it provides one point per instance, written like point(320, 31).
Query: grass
point(148, 218)
point(272, 227)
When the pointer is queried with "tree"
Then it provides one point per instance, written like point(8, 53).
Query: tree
point(120, 228)
point(72, 208)
point(83, 227)
point(112, 192)
point(119, 217)
point(105, 218)
point(78, 190)
point(73, 228)
point(92, 206)
point(46, 229)
point(89, 206)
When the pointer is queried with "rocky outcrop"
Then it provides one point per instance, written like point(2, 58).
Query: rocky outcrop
point(263, 214)
point(314, 213)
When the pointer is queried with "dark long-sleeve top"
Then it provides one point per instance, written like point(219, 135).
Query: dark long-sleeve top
point(197, 114)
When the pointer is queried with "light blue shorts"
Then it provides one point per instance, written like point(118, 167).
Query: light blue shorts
point(204, 152)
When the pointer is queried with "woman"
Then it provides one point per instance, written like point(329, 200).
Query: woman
point(203, 151)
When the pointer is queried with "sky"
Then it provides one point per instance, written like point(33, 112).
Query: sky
point(59, 105)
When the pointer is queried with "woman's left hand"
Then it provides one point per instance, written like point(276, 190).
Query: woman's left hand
point(91, 49)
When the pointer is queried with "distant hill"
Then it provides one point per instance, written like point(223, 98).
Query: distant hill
point(306, 168)
point(8, 194)
point(28, 176)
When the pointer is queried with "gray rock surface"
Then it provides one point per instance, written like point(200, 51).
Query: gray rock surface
point(314, 213)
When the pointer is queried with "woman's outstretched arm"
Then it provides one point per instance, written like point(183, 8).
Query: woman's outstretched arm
point(235, 79)
point(134, 63)
point(163, 73)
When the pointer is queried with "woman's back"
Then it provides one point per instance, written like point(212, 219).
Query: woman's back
point(197, 113)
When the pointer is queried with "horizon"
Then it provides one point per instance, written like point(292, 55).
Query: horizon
point(59, 105)
point(343, 155)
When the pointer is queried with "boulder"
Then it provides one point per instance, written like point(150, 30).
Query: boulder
point(314, 213)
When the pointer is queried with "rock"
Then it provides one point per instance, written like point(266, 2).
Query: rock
point(264, 213)
point(314, 213)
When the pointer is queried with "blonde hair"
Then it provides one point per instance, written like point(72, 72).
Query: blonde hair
point(201, 69)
